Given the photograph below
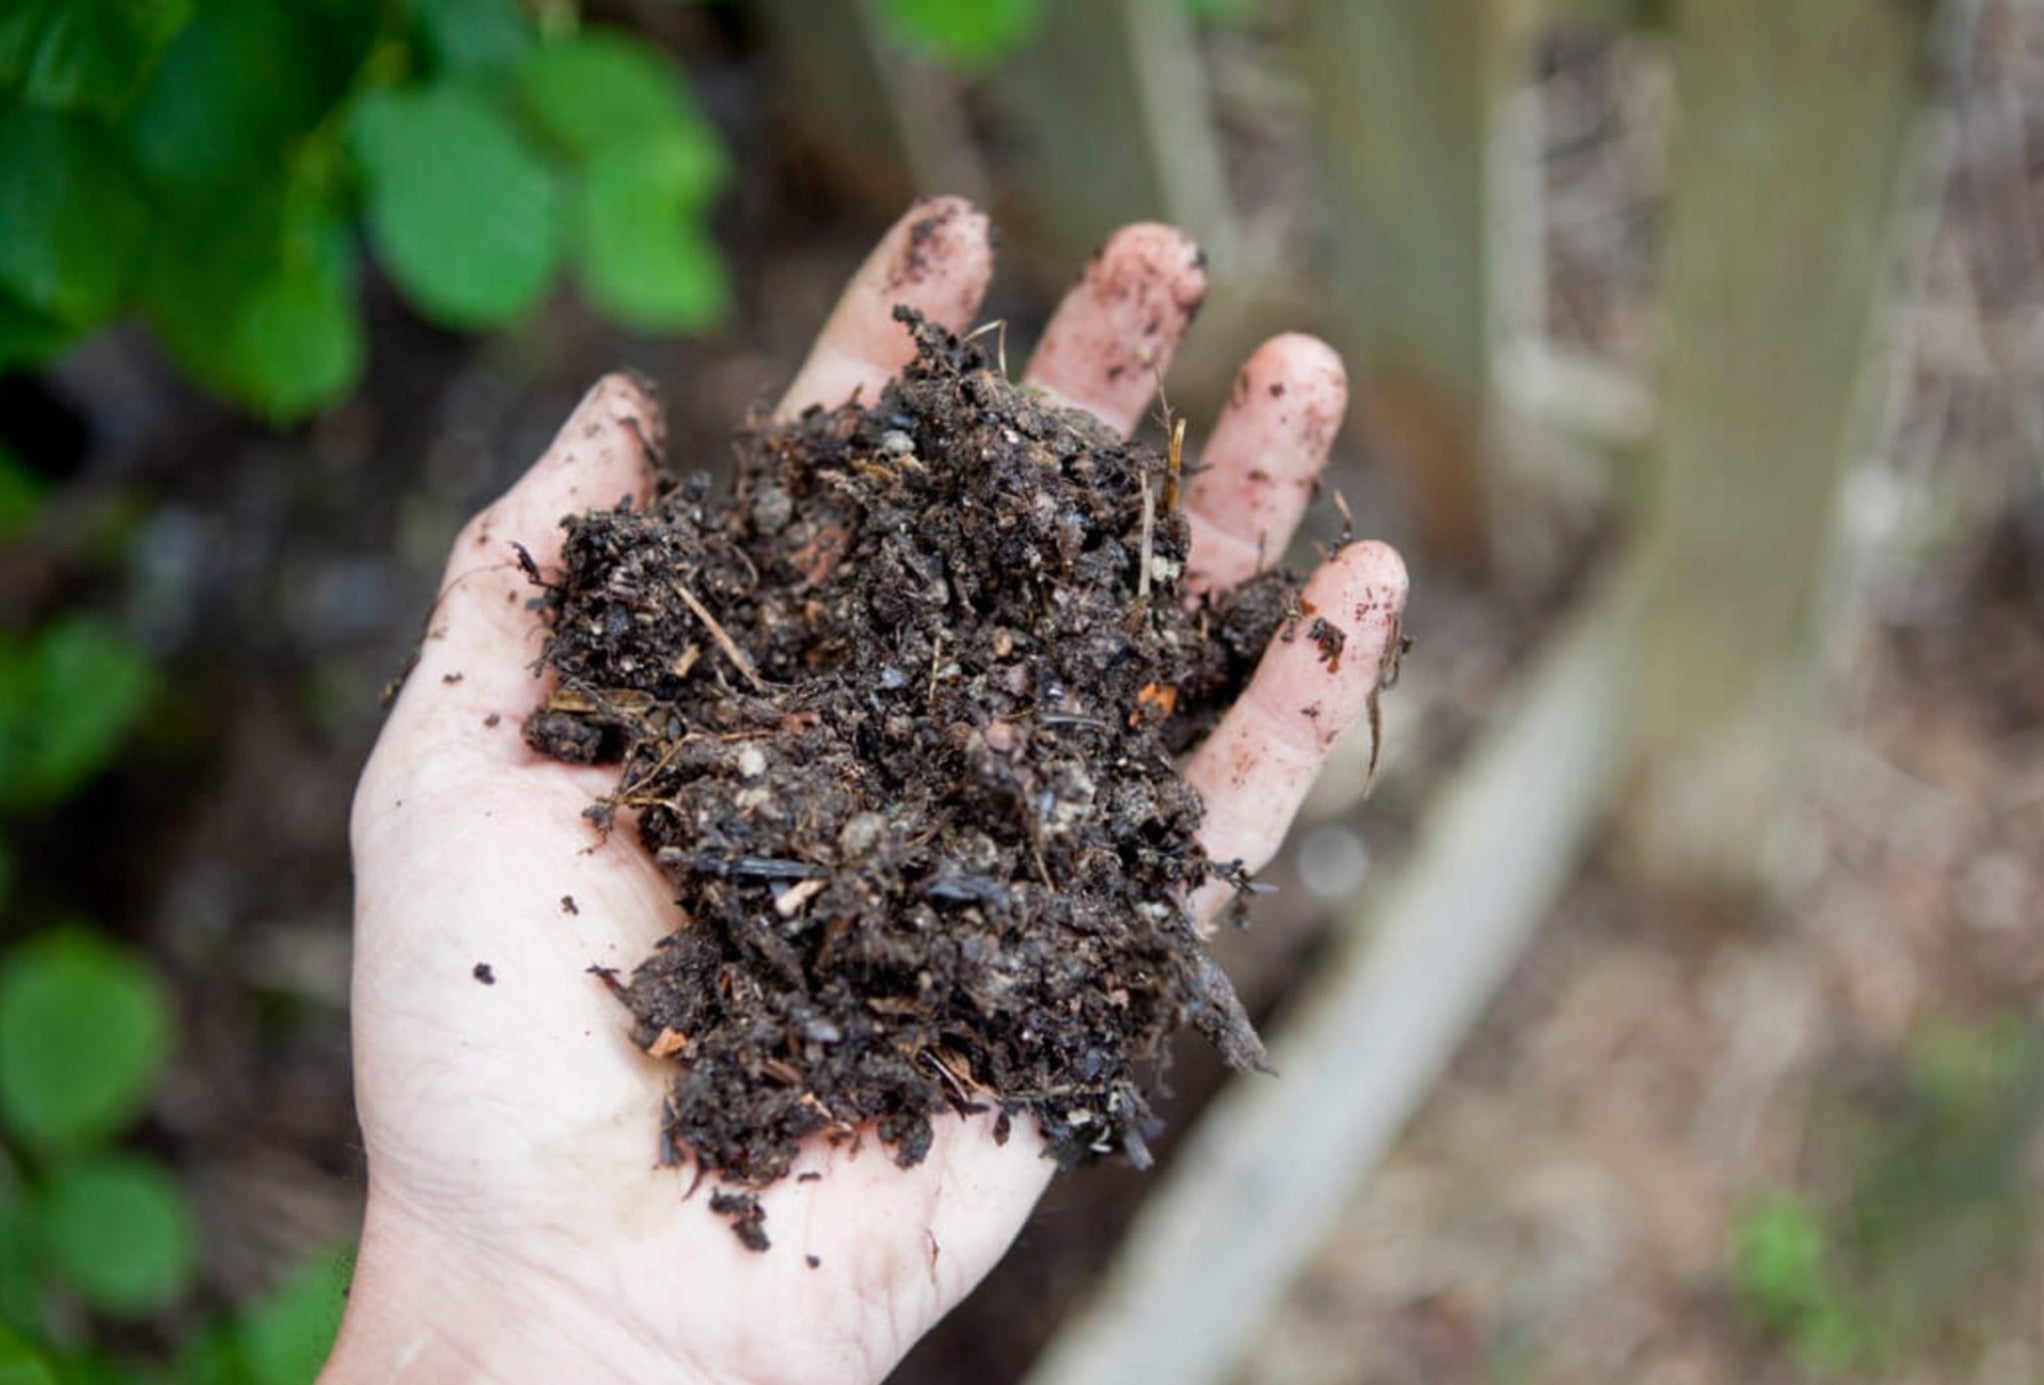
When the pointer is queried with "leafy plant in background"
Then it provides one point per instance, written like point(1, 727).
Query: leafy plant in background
point(1933, 1202)
point(90, 1228)
point(87, 1225)
point(218, 166)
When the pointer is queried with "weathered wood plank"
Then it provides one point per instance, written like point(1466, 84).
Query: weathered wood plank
point(1247, 1199)
point(1793, 134)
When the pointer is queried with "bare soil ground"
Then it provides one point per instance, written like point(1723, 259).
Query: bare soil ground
point(1569, 1203)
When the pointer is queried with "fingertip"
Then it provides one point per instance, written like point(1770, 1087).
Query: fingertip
point(1160, 244)
point(1303, 368)
point(608, 450)
point(1372, 579)
point(622, 407)
point(1259, 469)
point(1114, 333)
point(937, 258)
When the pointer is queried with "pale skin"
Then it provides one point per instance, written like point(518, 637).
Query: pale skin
point(519, 1225)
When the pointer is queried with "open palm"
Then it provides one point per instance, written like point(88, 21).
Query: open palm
point(521, 1226)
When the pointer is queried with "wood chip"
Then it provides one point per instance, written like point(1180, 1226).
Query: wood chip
point(789, 902)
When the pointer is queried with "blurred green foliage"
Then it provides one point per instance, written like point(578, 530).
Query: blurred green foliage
point(69, 692)
point(207, 164)
point(972, 34)
point(1930, 1201)
point(968, 35)
point(85, 1030)
point(93, 1228)
point(21, 495)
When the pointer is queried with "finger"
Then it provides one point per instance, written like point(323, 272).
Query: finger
point(476, 656)
point(1259, 468)
point(1254, 770)
point(937, 259)
point(1112, 337)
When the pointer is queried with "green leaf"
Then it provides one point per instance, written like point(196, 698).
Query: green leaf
point(84, 54)
point(120, 1234)
point(67, 699)
point(259, 303)
point(85, 1027)
point(464, 215)
point(647, 258)
point(1780, 1259)
point(21, 500)
point(970, 33)
point(20, 1363)
point(27, 337)
point(465, 37)
point(209, 1355)
point(295, 345)
point(286, 1334)
point(88, 1366)
point(21, 1276)
point(233, 90)
point(601, 88)
point(72, 220)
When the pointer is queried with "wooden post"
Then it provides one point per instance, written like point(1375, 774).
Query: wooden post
point(1401, 104)
point(884, 126)
point(1794, 128)
point(1108, 116)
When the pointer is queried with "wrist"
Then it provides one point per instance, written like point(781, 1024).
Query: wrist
point(419, 1314)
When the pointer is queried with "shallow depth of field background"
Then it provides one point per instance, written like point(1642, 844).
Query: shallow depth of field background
point(1699, 363)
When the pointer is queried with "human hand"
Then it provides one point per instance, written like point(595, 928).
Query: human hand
point(520, 1226)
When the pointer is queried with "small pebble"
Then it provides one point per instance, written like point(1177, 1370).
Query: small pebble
point(860, 834)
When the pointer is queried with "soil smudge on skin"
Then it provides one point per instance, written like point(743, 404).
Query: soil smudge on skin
point(897, 717)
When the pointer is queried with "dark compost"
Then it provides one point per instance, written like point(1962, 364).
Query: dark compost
point(898, 715)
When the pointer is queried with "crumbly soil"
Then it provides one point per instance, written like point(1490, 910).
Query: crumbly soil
point(898, 716)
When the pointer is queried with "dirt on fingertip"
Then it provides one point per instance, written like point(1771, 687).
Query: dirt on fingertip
point(898, 715)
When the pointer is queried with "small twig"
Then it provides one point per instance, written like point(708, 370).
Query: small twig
point(629, 791)
point(1042, 870)
point(722, 637)
point(1072, 719)
point(652, 454)
point(999, 326)
point(1396, 646)
point(1149, 535)
point(740, 867)
point(1348, 521)
point(1174, 463)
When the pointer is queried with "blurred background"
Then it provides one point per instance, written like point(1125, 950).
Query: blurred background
point(1670, 1012)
